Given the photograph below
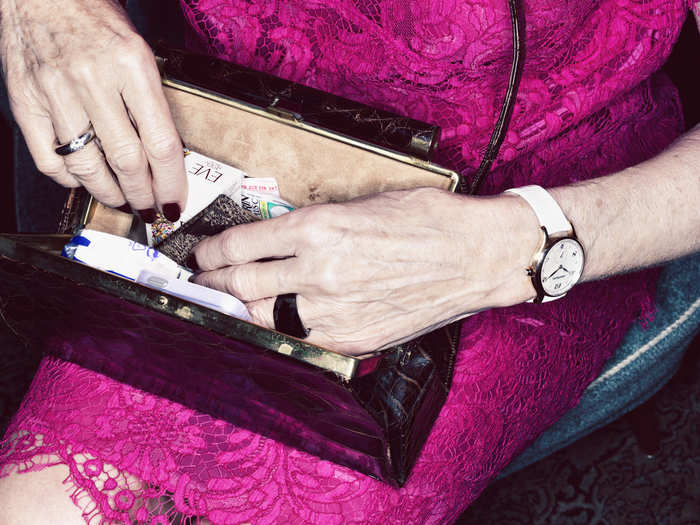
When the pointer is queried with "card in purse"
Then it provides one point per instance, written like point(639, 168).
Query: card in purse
point(221, 214)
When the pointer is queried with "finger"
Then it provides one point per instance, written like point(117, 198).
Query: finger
point(253, 281)
point(248, 242)
point(40, 138)
point(144, 97)
point(121, 145)
point(262, 312)
point(87, 165)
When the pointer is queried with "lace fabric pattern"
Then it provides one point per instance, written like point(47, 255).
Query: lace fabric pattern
point(588, 105)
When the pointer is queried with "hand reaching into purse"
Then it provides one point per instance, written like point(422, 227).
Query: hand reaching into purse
point(376, 271)
point(86, 93)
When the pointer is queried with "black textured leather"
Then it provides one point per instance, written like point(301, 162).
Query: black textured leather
point(375, 423)
point(324, 110)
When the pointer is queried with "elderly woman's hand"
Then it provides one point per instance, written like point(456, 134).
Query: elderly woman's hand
point(376, 271)
point(72, 63)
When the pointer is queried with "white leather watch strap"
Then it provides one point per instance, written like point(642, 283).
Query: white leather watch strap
point(548, 212)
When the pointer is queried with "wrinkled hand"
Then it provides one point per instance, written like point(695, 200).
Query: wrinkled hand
point(69, 63)
point(372, 272)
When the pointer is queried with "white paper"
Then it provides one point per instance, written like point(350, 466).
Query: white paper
point(120, 256)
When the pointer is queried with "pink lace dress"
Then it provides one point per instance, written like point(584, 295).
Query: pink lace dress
point(589, 104)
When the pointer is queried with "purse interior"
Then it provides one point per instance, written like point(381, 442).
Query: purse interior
point(309, 167)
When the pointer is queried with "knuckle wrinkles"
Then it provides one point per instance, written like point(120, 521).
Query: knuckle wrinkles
point(245, 284)
point(261, 313)
point(230, 245)
point(87, 170)
point(166, 148)
point(50, 169)
point(255, 310)
point(206, 280)
point(232, 282)
point(128, 159)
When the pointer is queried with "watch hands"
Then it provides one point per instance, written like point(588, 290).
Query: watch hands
point(561, 267)
point(568, 272)
point(555, 271)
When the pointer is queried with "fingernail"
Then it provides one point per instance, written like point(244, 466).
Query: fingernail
point(148, 215)
point(171, 211)
point(125, 209)
point(191, 262)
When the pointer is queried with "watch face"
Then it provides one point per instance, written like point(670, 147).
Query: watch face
point(562, 267)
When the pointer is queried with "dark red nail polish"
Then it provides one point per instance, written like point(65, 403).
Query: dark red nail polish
point(125, 209)
point(148, 215)
point(171, 211)
point(191, 262)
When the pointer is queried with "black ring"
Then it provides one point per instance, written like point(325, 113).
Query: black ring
point(286, 316)
point(77, 143)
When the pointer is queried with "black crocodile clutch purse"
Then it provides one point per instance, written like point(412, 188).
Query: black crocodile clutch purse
point(372, 413)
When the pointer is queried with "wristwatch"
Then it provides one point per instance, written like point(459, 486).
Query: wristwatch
point(557, 264)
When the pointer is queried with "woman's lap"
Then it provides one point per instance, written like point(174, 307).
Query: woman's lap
point(518, 370)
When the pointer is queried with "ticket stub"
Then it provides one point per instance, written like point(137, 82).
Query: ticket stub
point(120, 256)
point(260, 185)
point(207, 179)
point(264, 206)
